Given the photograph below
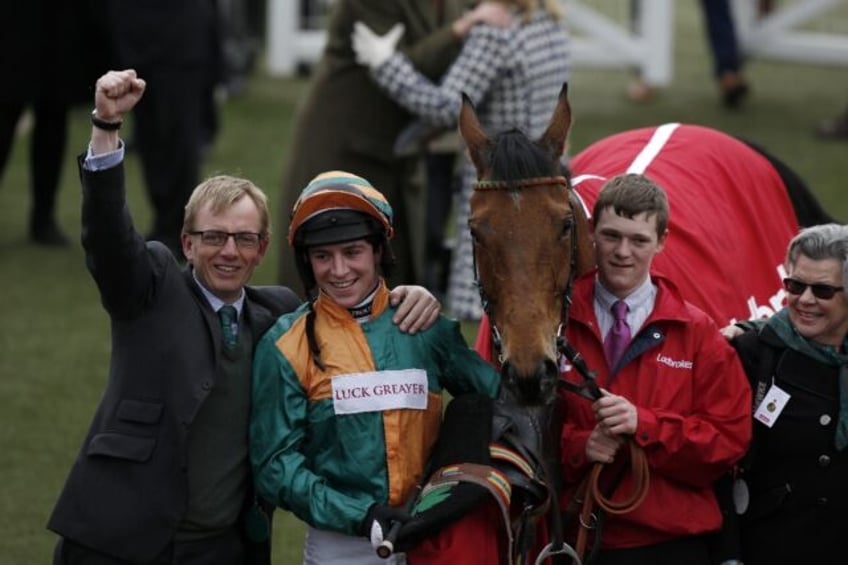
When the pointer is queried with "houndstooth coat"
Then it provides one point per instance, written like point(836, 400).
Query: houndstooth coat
point(513, 76)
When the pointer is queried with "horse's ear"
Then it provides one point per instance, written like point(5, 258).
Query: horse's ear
point(557, 132)
point(475, 139)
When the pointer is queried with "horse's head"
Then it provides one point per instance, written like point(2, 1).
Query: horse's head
point(530, 239)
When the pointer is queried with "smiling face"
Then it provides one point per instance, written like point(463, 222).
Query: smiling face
point(347, 272)
point(823, 321)
point(225, 270)
point(625, 248)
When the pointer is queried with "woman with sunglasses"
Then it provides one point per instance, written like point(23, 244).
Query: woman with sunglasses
point(792, 491)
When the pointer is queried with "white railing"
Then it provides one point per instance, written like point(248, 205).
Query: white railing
point(601, 41)
point(778, 35)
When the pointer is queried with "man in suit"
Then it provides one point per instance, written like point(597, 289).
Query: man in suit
point(346, 121)
point(163, 475)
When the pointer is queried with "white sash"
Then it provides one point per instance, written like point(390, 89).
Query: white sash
point(377, 391)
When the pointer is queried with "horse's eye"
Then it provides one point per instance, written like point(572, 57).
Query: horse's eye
point(474, 237)
point(567, 226)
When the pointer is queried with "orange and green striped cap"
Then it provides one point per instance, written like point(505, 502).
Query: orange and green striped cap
point(340, 190)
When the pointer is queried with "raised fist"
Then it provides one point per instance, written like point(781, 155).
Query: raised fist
point(116, 93)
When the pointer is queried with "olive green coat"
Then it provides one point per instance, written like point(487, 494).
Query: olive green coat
point(346, 123)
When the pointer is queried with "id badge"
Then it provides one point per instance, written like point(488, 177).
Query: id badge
point(772, 405)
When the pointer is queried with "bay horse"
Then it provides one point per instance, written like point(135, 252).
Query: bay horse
point(531, 238)
point(530, 223)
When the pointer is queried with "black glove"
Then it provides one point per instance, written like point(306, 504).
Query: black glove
point(380, 519)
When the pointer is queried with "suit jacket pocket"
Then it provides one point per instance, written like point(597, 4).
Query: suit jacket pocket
point(139, 411)
point(122, 446)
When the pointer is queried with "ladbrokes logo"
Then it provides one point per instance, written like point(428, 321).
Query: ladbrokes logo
point(775, 303)
point(674, 363)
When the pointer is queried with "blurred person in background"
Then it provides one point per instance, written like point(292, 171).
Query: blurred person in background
point(724, 51)
point(513, 75)
point(174, 46)
point(346, 122)
point(47, 66)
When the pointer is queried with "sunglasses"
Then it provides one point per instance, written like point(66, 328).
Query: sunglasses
point(821, 291)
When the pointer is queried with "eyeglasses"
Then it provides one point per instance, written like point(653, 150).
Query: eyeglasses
point(821, 291)
point(215, 238)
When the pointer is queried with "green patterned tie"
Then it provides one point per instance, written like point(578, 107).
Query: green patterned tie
point(228, 317)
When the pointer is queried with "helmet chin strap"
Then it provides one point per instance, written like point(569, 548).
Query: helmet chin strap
point(362, 311)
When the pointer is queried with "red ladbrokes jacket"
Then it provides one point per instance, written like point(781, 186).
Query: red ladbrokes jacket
point(694, 407)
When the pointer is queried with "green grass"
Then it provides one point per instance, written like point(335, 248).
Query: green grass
point(54, 338)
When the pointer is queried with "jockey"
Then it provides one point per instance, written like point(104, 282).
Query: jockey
point(346, 408)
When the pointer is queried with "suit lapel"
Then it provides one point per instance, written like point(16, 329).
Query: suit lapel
point(258, 317)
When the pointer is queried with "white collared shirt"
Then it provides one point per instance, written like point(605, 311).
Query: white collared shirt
point(640, 304)
point(216, 303)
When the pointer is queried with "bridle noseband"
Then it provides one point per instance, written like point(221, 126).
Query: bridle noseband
point(517, 185)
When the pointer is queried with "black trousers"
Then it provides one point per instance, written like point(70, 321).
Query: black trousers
point(683, 551)
point(168, 136)
point(225, 549)
point(46, 153)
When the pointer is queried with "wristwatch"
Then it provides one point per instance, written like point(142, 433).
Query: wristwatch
point(103, 124)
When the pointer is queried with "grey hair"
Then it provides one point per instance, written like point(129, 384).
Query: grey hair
point(825, 241)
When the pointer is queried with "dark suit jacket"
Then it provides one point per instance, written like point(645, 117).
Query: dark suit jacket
point(127, 490)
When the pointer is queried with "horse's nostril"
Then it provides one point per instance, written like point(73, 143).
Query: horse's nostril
point(550, 371)
point(538, 387)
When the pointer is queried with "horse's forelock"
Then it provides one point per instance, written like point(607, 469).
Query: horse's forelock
point(514, 156)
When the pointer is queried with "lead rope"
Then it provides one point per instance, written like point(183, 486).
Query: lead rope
point(592, 496)
point(589, 494)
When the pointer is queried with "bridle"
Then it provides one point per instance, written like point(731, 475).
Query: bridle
point(515, 185)
point(589, 495)
point(557, 546)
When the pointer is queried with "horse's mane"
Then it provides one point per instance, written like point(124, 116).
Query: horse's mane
point(514, 156)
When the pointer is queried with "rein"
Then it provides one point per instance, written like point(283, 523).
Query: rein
point(589, 494)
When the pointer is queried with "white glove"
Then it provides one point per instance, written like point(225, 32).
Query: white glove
point(371, 49)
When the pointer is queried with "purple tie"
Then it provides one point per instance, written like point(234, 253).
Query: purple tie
point(619, 334)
